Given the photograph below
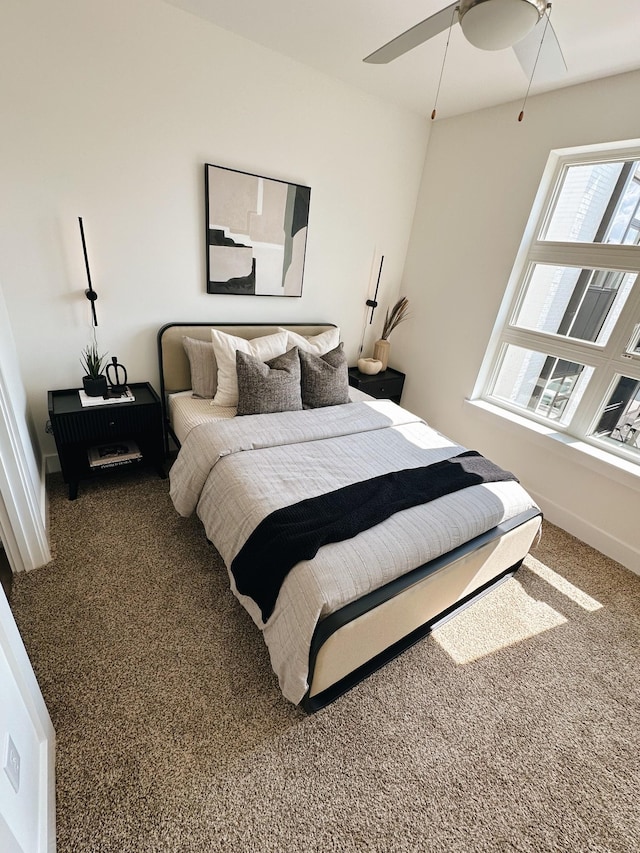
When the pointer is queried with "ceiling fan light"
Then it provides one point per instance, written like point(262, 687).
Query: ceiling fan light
point(496, 24)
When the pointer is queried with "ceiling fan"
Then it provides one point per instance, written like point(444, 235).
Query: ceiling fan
point(490, 25)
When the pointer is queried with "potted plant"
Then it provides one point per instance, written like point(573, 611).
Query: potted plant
point(392, 318)
point(94, 381)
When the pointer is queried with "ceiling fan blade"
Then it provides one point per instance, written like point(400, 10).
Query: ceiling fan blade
point(551, 64)
point(418, 34)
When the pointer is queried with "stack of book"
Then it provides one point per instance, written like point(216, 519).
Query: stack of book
point(114, 455)
point(124, 396)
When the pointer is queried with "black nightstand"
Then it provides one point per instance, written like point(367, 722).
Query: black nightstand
point(77, 429)
point(387, 384)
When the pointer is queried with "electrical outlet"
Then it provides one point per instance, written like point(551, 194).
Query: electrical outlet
point(12, 763)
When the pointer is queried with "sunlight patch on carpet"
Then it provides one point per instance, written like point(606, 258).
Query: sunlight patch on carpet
point(562, 585)
point(499, 620)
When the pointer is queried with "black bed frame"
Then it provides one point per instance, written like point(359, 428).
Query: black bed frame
point(349, 612)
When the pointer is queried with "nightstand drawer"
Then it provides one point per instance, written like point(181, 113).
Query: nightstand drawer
point(384, 388)
point(385, 385)
point(105, 424)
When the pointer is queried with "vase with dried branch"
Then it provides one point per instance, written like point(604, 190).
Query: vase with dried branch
point(392, 318)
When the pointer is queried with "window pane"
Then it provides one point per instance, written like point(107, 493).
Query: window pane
point(633, 344)
point(597, 203)
point(620, 419)
point(551, 387)
point(572, 302)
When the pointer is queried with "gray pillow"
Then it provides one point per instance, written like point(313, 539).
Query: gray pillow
point(268, 386)
point(202, 362)
point(324, 379)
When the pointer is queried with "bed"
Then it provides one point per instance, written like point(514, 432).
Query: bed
point(344, 603)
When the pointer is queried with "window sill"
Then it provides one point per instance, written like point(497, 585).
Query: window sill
point(603, 463)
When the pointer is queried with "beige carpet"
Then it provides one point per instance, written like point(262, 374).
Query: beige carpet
point(513, 728)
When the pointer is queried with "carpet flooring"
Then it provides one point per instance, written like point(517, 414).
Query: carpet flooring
point(514, 727)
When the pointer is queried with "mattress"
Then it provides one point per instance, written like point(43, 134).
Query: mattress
point(187, 412)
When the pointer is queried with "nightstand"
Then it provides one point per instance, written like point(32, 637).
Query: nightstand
point(133, 429)
point(387, 384)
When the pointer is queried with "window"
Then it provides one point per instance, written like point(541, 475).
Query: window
point(566, 347)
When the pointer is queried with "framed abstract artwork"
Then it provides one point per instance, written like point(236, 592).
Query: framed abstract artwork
point(256, 233)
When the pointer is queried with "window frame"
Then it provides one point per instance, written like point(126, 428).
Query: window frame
point(609, 360)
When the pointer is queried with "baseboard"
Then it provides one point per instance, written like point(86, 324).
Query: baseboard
point(622, 552)
point(44, 495)
point(51, 464)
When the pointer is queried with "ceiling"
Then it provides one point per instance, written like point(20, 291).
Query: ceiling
point(598, 38)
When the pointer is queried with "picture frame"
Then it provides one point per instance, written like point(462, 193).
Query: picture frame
point(256, 233)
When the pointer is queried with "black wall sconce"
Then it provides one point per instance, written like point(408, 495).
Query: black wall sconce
point(89, 292)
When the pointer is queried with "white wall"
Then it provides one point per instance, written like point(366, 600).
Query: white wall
point(110, 111)
point(481, 175)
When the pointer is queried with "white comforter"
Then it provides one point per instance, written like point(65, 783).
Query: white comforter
point(235, 473)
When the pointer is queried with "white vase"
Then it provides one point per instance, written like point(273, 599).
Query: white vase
point(370, 366)
point(381, 352)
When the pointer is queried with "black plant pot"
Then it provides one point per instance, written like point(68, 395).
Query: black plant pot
point(95, 387)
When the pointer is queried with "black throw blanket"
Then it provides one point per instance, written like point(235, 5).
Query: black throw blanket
point(297, 532)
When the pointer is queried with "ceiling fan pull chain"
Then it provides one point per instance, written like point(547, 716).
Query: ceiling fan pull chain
point(444, 59)
point(535, 64)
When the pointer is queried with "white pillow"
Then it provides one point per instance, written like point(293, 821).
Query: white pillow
point(315, 344)
point(225, 347)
